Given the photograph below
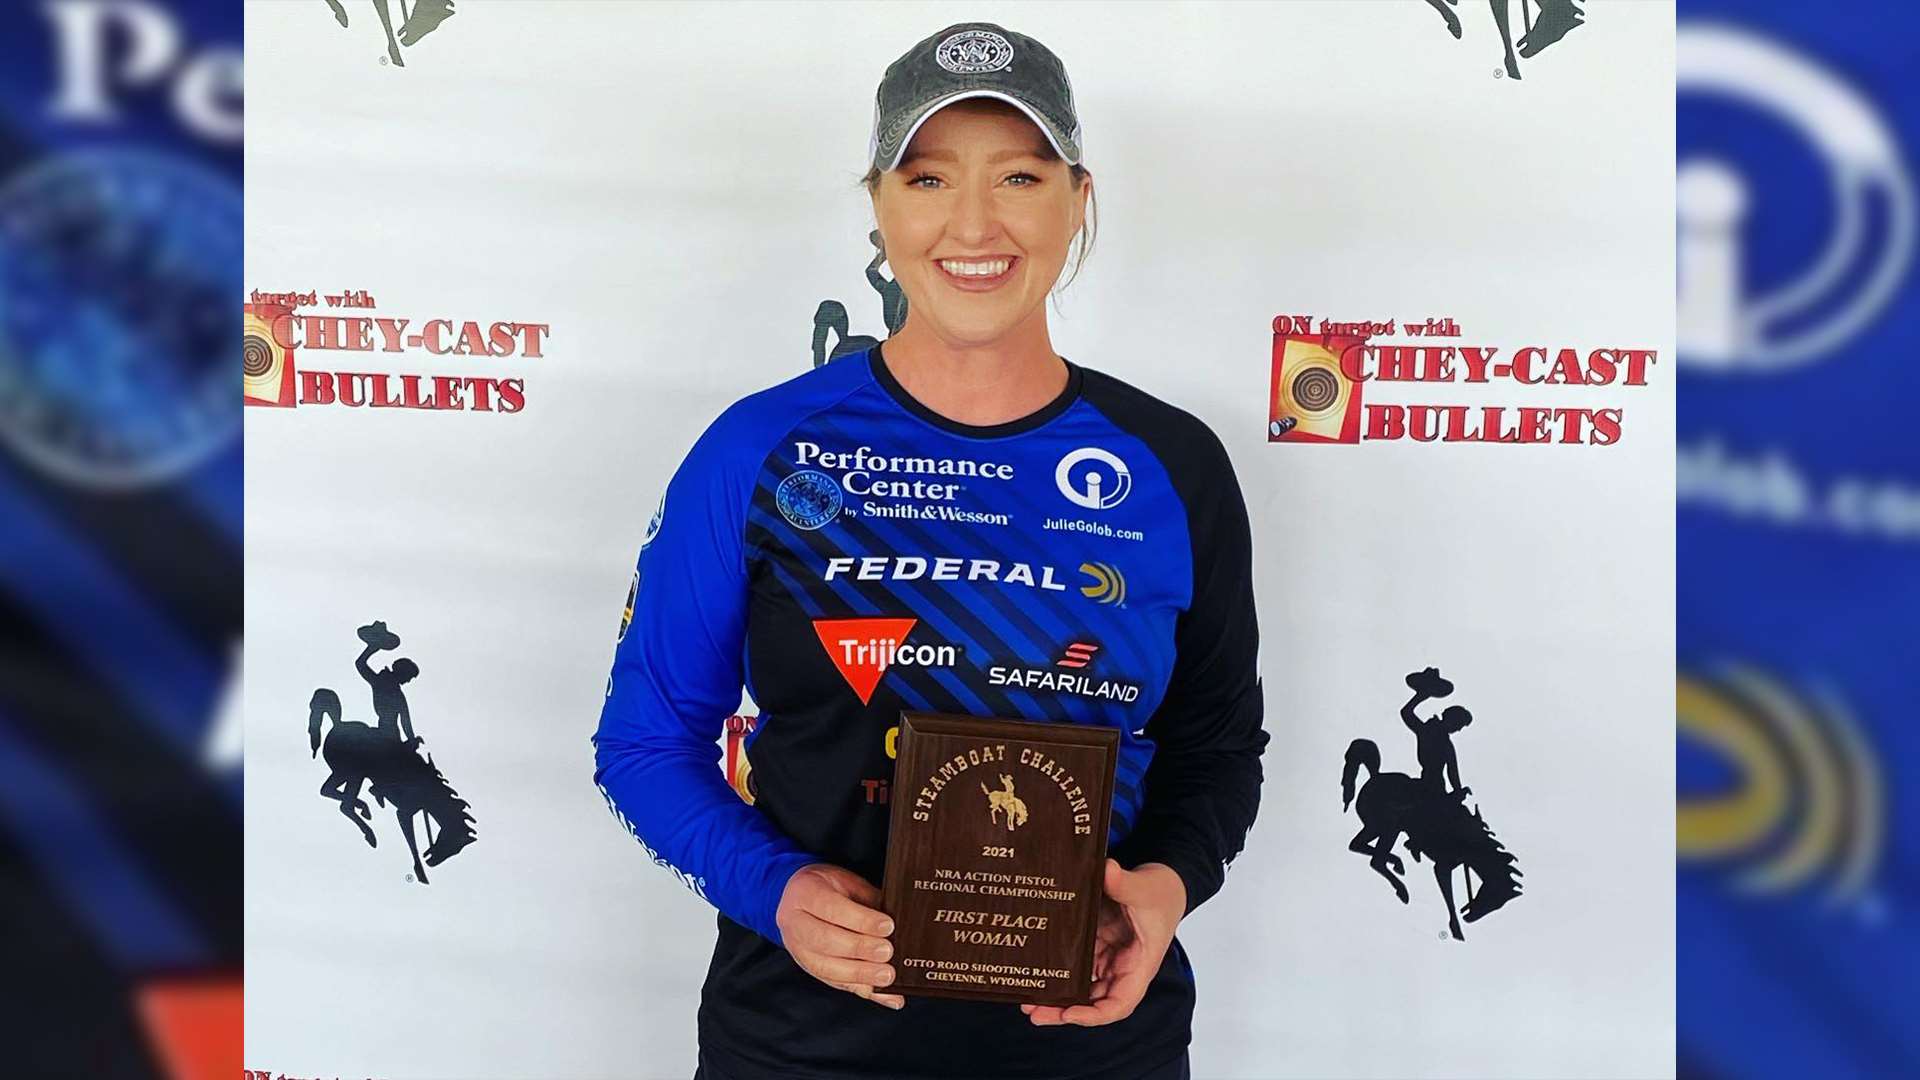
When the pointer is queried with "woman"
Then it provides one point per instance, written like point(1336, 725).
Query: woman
point(916, 526)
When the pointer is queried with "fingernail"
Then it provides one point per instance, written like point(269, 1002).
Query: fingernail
point(886, 928)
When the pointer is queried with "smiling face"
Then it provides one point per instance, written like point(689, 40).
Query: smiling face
point(976, 221)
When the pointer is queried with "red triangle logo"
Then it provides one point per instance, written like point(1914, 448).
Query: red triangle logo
point(862, 648)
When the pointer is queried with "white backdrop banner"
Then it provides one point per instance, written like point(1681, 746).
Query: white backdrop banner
point(503, 268)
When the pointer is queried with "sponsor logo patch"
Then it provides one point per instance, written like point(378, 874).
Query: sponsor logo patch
point(1094, 478)
point(808, 499)
point(971, 52)
point(863, 649)
point(1074, 680)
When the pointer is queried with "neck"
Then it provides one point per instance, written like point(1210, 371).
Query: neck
point(1003, 380)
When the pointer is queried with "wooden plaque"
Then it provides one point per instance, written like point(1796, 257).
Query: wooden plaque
point(995, 856)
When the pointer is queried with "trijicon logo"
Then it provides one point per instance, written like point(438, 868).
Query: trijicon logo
point(863, 650)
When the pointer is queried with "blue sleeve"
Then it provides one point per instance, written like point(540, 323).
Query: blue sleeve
point(676, 677)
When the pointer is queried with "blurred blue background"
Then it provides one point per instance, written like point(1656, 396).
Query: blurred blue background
point(120, 538)
point(1798, 537)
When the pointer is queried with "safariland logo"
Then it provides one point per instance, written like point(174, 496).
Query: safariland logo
point(1078, 656)
point(931, 483)
point(280, 341)
point(863, 650)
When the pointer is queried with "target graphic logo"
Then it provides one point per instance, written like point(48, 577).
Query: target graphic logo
point(266, 365)
point(1312, 399)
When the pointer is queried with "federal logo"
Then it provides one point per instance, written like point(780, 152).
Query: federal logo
point(1109, 585)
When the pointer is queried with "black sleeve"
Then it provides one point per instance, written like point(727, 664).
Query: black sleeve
point(1203, 786)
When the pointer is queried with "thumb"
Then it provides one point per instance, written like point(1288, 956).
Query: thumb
point(1117, 882)
point(857, 887)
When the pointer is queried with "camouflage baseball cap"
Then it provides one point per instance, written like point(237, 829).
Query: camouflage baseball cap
point(972, 60)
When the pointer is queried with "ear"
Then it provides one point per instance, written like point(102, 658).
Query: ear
point(1086, 196)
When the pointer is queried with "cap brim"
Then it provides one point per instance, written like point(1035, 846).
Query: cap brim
point(1053, 138)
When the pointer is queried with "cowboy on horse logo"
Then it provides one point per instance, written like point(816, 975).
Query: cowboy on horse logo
point(1005, 801)
point(830, 318)
point(1557, 19)
point(424, 19)
point(1431, 811)
point(389, 757)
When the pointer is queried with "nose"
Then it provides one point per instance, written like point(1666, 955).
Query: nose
point(974, 219)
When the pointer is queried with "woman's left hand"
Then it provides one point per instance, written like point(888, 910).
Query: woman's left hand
point(1138, 916)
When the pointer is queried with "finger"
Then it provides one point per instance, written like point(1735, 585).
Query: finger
point(836, 969)
point(830, 906)
point(1045, 1015)
point(859, 888)
point(1123, 993)
point(891, 1001)
point(1105, 1011)
point(823, 937)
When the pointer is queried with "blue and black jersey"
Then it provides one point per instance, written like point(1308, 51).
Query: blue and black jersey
point(846, 553)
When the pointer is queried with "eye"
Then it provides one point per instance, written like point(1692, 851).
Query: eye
point(1028, 177)
point(915, 181)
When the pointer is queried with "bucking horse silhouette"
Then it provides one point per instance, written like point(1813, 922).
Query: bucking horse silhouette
point(1557, 19)
point(1005, 801)
point(424, 19)
point(830, 318)
point(1436, 821)
point(388, 757)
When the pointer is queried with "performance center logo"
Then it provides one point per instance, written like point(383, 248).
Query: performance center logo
point(113, 326)
point(279, 339)
point(1320, 374)
point(808, 499)
point(425, 17)
point(863, 649)
point(1764, 306)
point(1557, 18)
point(972, 52)
point(1106, 584)
point(386, 756)
point(899, 487)
point(1430, 811)
point(1780, 790)
point(1066, 676)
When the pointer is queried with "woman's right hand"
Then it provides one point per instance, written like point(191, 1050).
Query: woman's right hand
point(829, 920)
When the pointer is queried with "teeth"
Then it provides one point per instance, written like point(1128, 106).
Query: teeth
point(991, 268)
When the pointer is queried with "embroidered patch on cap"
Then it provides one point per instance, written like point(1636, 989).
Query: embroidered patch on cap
point(970, 52)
